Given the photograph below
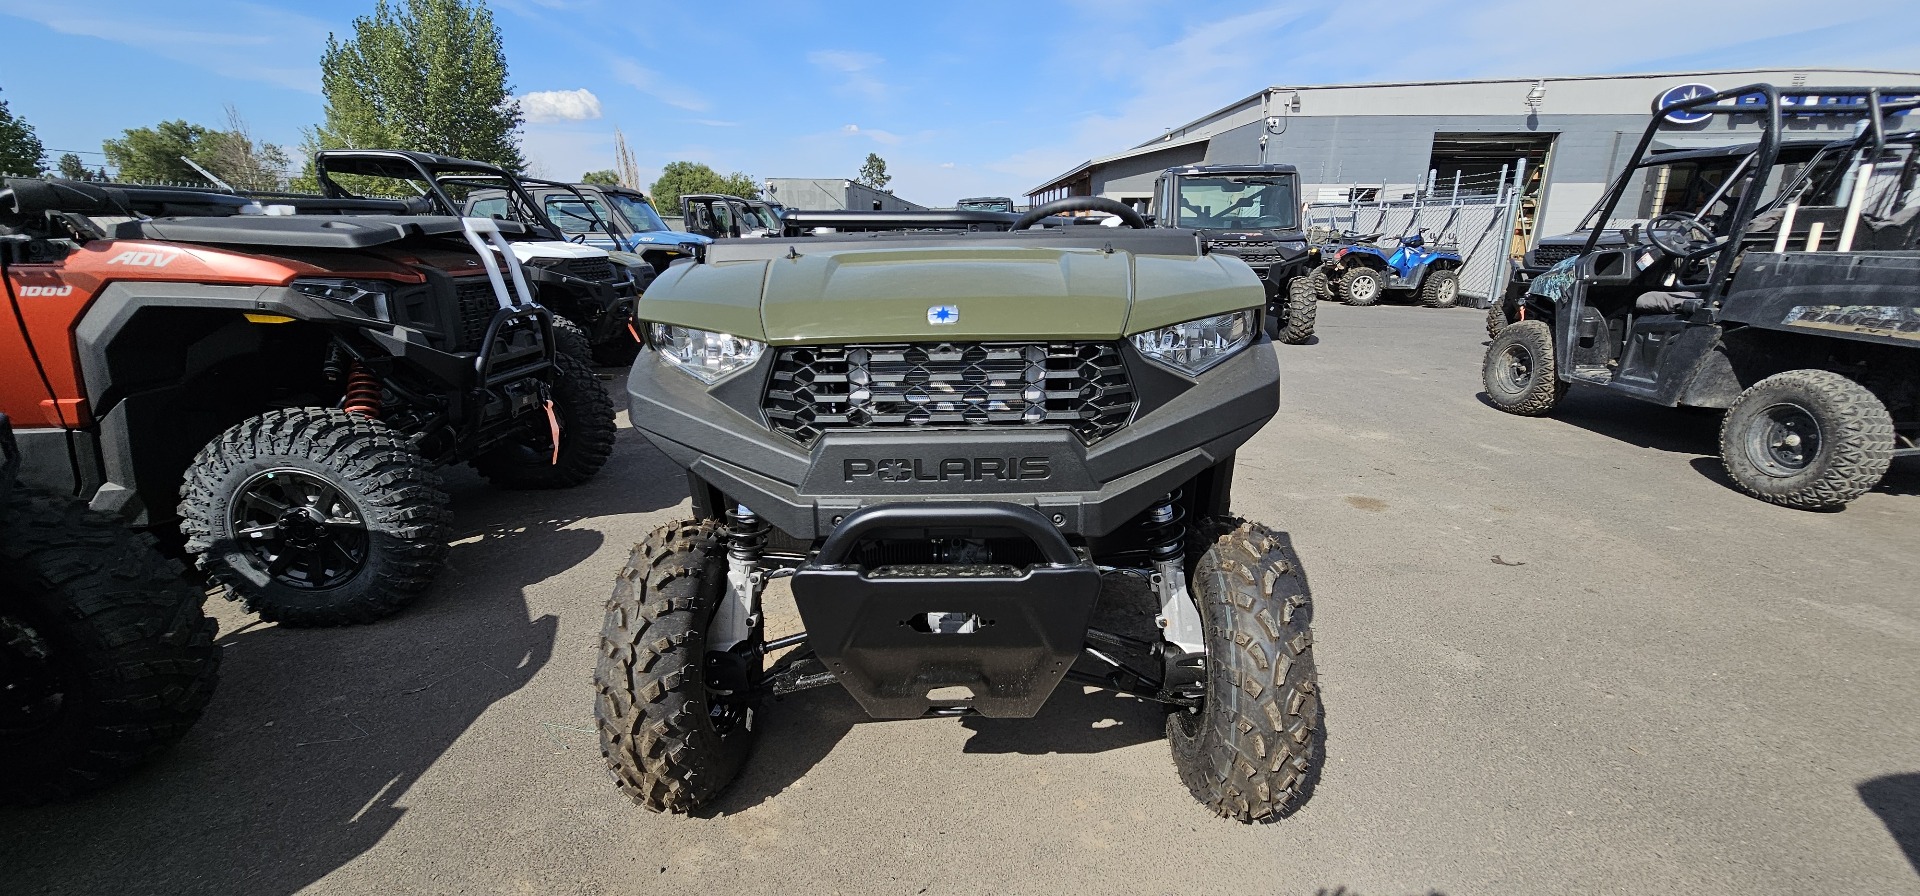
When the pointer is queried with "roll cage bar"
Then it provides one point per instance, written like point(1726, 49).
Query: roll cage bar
point(1875, 105)
point(436, 172)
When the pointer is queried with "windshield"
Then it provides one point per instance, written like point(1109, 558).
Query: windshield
point(1236, 201)
point(638, 212)
point(764, 217)
point(985, 205)
point(575, 214)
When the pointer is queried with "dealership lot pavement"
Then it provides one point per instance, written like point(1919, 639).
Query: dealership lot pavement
point(1557, 655)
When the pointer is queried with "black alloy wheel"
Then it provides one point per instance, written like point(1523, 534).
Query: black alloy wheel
point(303, 531)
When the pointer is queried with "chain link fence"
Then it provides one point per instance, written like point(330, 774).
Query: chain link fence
point(1473, 216)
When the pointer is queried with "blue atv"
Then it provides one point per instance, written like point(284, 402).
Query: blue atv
point(1362, 274)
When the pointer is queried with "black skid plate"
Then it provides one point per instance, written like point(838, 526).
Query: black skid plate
point(1025, 625)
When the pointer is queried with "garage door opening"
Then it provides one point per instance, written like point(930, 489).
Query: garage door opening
point(1477, 160)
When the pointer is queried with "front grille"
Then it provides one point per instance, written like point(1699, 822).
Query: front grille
point(599, 270)
point(477, 307)
point(1082, 385)
point(1253, 252)
point(1548, 256)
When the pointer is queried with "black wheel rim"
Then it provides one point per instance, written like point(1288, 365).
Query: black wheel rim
point(1783, 440)
point(33, 684)
point(1514, 371)
point(299, 528)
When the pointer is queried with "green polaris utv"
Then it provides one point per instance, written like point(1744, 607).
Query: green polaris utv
point(949, 441)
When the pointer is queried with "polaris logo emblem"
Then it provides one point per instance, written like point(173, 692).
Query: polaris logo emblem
point(943, 314)
point(962, 469)
point(29, 291)
point(144, 259)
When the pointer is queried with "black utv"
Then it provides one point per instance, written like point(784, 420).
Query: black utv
point(1685, 179)
point(1793, 306)
point(1252, 212)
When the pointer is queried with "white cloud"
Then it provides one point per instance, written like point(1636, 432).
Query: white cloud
point(649, 82)
point(560, 105)
point(885, 138)
point(715, 123)
point(856, 71)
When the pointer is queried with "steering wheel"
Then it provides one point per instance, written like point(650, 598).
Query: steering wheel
point(1682, 236)
point(1114, 207)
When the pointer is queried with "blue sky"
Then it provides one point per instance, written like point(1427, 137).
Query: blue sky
point(977, 97)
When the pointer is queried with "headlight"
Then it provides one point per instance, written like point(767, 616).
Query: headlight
point(1196, 345)
point(703, 354)
point(369, 297)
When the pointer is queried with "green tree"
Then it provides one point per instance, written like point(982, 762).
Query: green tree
point(680, 178)
point(154, 155)
point(71, 168)
point(240, 160)
point(20, 149)
point(874, 172)
point(425, 75)
point(607, 177)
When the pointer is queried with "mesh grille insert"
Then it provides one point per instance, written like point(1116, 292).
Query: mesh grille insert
point(1249, 251)
point(598, 269)
point(1081, 385)
point(477, 306)
point(1548, 256)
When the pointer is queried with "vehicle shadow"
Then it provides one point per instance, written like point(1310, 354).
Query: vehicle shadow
point(1903, 478)
point(314, 737)
point(1896, 799)
point(1693, 431)
point(798, 731)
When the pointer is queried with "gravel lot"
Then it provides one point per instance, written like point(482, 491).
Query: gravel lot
point(1558, 655)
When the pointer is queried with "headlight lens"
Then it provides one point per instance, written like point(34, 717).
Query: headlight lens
point(703, 354)
point(369, 297)
point(1196, 345)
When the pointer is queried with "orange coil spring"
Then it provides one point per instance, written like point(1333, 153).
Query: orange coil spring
point(363, 394)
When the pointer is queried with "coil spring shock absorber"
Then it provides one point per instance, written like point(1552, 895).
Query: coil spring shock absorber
point(730, 642)
point(363, 393)
point(746, 539)
point(1164, 526)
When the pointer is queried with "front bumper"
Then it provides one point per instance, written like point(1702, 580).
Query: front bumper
point(1028, 624)
point(1182, 426)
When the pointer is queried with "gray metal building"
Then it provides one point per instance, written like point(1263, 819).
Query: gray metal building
point(832, 194)
point(1387, 141)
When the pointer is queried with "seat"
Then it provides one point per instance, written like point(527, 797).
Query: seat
point(1899, 232)
point(1660, 301)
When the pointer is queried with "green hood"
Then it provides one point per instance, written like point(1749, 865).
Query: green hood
point(881, 294)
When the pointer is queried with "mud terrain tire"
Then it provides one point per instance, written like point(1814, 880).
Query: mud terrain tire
point(1318, 281)
point(1518, 372)
point(1496, 319)
point(378, 501)
point(1362, 286)
point(587, 431)
point(1765, 436)
point(1440, 289)
point(111, 639)
point(1252, 751)
point(1294, 326)
point(663, 742)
